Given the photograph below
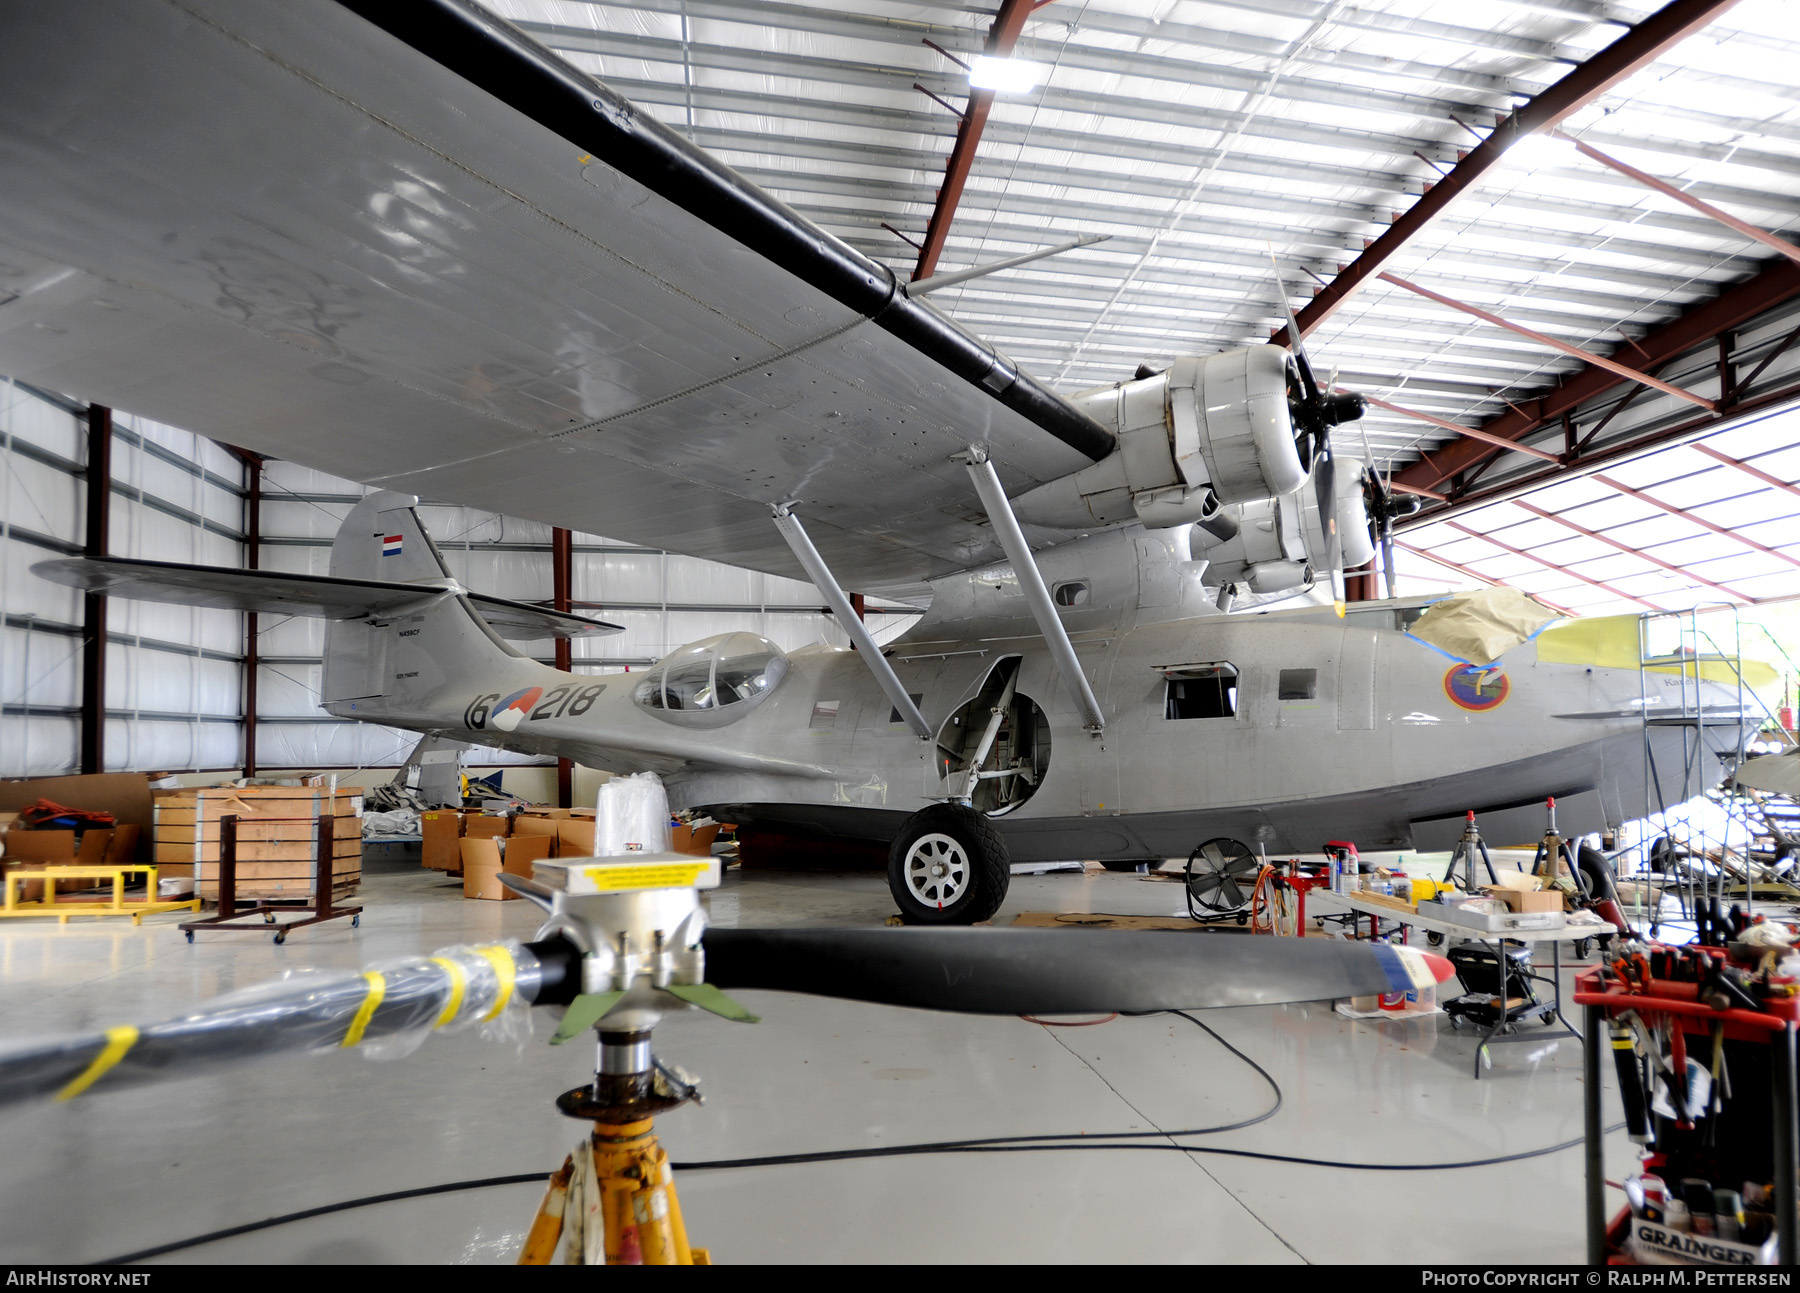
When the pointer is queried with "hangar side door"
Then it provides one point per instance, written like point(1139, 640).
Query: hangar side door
point(1356, 680)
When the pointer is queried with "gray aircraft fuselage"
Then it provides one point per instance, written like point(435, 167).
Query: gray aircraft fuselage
point(1394, 742)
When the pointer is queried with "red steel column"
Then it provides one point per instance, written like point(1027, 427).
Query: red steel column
point(253, 466)
point(1002, 36)
point(562, 579)
point(93, 644)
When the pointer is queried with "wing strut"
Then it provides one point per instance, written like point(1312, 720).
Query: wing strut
point(1012, 538)
point(820, 573)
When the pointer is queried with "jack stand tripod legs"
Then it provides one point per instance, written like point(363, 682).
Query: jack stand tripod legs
point(547, 1226)
point(618, 1179)
point(643, 1214)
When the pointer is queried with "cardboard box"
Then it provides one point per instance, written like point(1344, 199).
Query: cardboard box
point(481, 866)
point(442, 829)
point(575, 837)
point(40, 848)
point(484, 826)
point(126, 795)
point(1516, 881)
point(1522, 900)
point(533, 824)
point(483, 859)
point(697, 840)
point(541, 811)
point(519, 852)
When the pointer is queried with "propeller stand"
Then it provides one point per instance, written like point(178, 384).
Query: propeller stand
point(614, 1196)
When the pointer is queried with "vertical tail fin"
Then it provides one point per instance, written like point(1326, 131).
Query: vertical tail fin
point(378, 665)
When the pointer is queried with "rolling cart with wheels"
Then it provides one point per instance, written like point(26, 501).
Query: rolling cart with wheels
point(1766, 1037)
point(231, 919)
point(1478, 967)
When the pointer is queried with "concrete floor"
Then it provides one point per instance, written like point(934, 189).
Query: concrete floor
point(107, 1175)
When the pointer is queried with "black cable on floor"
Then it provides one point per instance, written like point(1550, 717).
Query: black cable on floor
point(324, 1210)
point(1061, 1141)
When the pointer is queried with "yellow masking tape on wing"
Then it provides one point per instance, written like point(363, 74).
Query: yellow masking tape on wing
point(118, 1041)
point(366, 1011)
point(459, 982)
point(505, 971)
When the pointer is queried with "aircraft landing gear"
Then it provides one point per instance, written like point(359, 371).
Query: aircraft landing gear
point(948, 866)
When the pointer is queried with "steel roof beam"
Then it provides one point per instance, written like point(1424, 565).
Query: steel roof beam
point(1668, 190)
point(1574, 352)
point(1700, 324)
point(1458, 429)
point(1638, 47)
point(1001, 38)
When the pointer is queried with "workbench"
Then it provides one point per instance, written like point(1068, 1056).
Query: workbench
point(1501, 1029)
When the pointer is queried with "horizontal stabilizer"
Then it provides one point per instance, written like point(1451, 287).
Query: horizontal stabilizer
point(523, 622)
point(275, 592)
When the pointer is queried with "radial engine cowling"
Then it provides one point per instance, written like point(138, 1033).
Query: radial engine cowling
point(1212, 430)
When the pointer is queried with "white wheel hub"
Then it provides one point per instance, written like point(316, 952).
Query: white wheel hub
point(937, 870)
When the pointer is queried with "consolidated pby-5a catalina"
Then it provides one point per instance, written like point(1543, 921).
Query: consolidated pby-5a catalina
point(422, 251)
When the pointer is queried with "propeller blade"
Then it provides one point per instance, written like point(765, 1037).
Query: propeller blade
point(1052, 971)
point(1387, 555)
point(1325, 492)
point(1296, 343)
point(403, 1000)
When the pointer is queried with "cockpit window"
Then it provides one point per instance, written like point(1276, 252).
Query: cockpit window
point(713, 682)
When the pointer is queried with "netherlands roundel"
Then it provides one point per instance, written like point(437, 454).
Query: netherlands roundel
point(510, 712)
point(1476, 687)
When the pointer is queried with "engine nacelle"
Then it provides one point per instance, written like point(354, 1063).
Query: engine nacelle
point(1212, 430)
point(1231, 410)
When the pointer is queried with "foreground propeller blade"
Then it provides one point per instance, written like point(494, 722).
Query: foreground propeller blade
point(1053, 971)
point(400, 1002)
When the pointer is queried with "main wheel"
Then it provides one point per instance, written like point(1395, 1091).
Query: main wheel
point(1221, 876)
point(948, 866)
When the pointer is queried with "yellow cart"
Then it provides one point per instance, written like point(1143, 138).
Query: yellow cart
point(48, 905)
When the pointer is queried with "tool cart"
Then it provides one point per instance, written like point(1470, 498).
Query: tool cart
point(1703, 1043)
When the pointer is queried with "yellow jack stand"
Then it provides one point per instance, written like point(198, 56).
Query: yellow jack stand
point(613, 1200)
point(622, 1206)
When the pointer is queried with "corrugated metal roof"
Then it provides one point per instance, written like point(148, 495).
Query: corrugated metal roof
point(1200, 135)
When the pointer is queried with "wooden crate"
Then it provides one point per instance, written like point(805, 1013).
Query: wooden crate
point(276, 829)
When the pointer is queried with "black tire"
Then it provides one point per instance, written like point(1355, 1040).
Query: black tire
point(965, 842)
point(1596, 874)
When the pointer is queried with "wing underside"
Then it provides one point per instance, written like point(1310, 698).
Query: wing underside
point(283, 227)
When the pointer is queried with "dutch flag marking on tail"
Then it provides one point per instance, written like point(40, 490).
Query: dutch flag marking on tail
point(390, 546)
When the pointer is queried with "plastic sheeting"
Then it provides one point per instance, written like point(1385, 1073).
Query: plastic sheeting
point(384, 1012)
point(38, 745)
point(632, 816)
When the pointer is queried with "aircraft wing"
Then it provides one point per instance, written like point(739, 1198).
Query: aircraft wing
point(432, 256)
point(278, 592)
